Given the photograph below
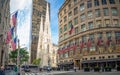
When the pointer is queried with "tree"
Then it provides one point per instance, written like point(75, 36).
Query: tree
point(36, 61)
point(24, 56)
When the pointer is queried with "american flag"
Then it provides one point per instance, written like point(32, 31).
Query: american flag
point(13, 43)
point(14, 18)
point(99, 41)
point(71, 30)
point(81, 44)
point(117, 40)
point(89, 43)
point(108, 41)
point(8, 38)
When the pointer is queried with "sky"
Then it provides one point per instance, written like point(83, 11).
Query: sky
point(24, 8)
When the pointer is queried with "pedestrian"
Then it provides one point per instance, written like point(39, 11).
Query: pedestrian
point(2, 71)
point(75, 69)
point(48, 69)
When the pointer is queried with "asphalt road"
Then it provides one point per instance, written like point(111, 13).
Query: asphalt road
point(66, 73)
point(89, 73)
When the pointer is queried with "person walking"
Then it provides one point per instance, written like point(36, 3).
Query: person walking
point(2, 71)
point(75, 69)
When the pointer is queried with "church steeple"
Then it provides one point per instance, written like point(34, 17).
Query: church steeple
point(39, 40)
point(47, 20)
point(45, 42)
point(41, 24)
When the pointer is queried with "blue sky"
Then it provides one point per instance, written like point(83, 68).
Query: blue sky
point(24, 19)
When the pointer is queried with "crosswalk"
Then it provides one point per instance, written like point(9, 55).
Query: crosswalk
point(37, 74)
point(45, 73)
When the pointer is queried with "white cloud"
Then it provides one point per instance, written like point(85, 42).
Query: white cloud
point(23, 32)
point(24, 18)
point(18, 4)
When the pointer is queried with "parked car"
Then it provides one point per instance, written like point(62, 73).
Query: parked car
point(47, 68)
point(27, 70)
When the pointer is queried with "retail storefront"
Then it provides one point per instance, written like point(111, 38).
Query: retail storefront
point(66, 66)
point(113, 63)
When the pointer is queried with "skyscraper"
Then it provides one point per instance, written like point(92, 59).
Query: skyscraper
point(39, 8)
point(41, 34)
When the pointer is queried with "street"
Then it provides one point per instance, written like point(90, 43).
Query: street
point(89, 73)
point(66, 73)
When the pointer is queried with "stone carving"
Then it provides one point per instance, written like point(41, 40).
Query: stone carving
point(117, 48)
point(110, 49)
point(101, 49)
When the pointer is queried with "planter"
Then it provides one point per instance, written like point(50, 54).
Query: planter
point(118, 68)
point(86, 69)
point(96, 69)
point(108, 69)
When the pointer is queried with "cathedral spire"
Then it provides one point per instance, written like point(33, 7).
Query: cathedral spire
point(39, 40)
point(41, 24)
point(47, 20)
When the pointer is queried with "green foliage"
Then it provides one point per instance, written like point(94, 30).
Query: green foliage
point(24, 55)
point(36, 61)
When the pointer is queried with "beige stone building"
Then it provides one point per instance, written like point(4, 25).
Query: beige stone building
point(54, 55)
point(89, 33)
point(4, 27)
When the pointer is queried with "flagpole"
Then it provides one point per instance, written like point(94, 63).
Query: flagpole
point(18, 56)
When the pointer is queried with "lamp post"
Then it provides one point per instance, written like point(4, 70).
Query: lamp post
point(18, 56)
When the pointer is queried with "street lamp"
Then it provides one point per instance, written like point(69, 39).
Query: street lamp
point(18, 57)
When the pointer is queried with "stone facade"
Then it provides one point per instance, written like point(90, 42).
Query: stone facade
point(54, 55)
point(4, 27)
point(89, 30)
